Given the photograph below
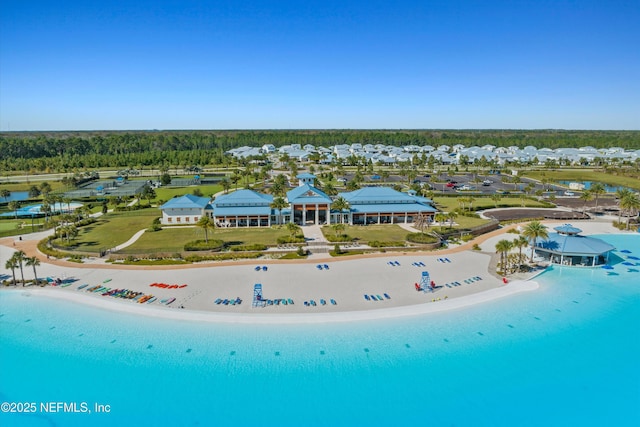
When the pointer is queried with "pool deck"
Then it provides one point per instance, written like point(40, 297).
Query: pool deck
point(346, 281)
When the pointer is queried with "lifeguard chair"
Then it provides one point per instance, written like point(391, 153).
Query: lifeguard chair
point(425, 282)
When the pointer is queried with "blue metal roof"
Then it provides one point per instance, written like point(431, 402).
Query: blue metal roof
point(574, 245)
point(368, 195)
point(242, 211)
point(240, 198)
point(307, 194)
point(567, 229)
point(305, 175)
point(188, 201)
point(392, 208)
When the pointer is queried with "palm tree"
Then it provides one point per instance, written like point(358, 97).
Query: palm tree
point(226, 184)
point(621, 194)
point(279, 203)
point(33, 262)
point(470, 200)
point(338, 228)
point(631, 202)
point(451, 216)
point(293, 228)
point(19, 258)
point(597, 189)
point(340, 204)
point(587, 196)
point(330, 189)
point(503, 247)
point(440, 218)
point(206, 224)
point(67, 201)
point(519, 243)
point(4, 193)
point(496, 199)
point(14, 205)
point(12, 264)
point(533, 231)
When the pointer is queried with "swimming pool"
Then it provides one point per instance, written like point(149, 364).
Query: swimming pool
point(565, 354)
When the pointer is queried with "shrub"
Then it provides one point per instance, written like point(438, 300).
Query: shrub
point(289, 239)
point(467, 237)
point(421, 238)
point(253, 247)
point(227, 256)
point(202, 245)
point(475, 247)
point(339, 238)
point(154, 227)
point(378, 244)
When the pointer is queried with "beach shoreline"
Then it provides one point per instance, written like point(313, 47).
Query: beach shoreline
point(463, 277)
point(168, 313)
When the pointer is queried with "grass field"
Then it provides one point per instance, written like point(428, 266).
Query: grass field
point(450, 203)
point(113, 229)
point(167, 193)
point(382, 233)
point(584, 175)
point(174, 239)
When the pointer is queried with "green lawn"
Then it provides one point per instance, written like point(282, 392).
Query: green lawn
point(382, 233)
point(584, 175)
point(174, 239)
point(450, 203)
point(167, 193)
point(113, 229)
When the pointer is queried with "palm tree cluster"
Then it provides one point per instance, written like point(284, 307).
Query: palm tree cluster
point(18, 260)
point(629, 202)
point(509, 262)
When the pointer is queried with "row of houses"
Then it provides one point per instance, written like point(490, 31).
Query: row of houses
point(304, 205)
point(389, 155)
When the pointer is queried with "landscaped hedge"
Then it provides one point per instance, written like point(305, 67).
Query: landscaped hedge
point(253, 247)
point(226, 256)
point(289, 239)
point(378, 244)
point(422, 238)
point(202, 245)
point(339, 238)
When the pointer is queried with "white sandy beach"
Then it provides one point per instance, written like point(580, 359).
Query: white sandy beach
point(347, 281)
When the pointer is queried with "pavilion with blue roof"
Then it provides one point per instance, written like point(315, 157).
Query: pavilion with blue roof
point(384, 205)
point(187, 209)
point(243, 208)
point(309, 204)
point(567, 247)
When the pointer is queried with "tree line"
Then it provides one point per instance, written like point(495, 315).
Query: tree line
point(64, 151)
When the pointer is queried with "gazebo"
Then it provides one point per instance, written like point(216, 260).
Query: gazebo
point(567, 247)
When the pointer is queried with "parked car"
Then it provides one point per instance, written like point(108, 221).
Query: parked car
point(569, 193)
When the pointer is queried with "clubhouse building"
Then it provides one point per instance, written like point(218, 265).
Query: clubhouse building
point(305, 205)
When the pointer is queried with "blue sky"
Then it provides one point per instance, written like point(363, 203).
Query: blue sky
point(84, 65)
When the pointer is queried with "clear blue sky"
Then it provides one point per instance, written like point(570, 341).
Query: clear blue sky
point(237, 64)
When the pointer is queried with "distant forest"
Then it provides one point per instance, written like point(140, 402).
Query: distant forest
point(66, 151)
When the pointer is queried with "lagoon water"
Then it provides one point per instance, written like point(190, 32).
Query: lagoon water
point(566, 354)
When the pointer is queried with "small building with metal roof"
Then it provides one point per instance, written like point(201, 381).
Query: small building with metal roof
point(567, 247)
point(384, 205)
point(187, 209)
point(243, 208)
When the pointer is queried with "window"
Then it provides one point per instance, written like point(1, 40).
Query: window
point(177, 219)
point(195, 219)
point(169, 219)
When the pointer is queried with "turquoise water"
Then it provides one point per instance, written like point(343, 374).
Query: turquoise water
point(566, 354)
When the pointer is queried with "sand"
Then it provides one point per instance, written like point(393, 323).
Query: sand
point(347, 281)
